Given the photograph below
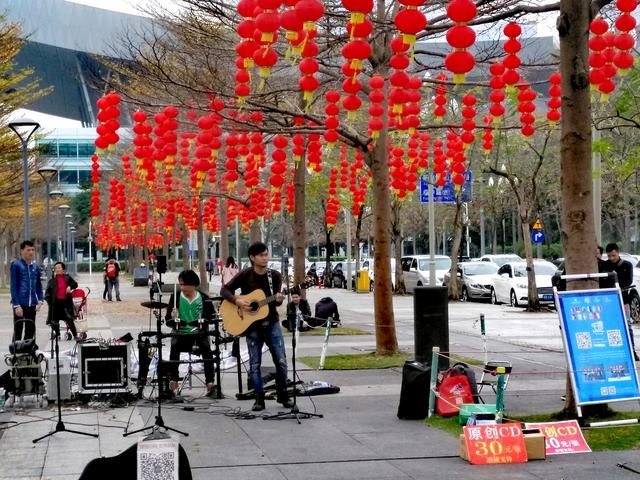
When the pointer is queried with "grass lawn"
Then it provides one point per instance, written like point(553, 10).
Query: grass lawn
point(599, 439)
point(372, 360)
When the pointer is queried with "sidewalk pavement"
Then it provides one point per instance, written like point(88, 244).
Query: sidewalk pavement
point(359, 435)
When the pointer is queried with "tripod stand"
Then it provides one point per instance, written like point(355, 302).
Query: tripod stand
point(60, 427)
point(159, 423)
point(295, 411)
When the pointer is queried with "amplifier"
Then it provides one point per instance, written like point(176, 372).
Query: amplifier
point(103, 369)
point(65, 379)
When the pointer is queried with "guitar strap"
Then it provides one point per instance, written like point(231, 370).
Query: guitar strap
point(270, 277)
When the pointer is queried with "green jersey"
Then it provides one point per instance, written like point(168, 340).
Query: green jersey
point(189, 312)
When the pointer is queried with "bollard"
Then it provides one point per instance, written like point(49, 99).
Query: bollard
point(500, 395)
point(435, 357)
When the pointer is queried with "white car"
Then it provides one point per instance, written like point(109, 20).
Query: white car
point(502, 258)
point(415, 270)
point(510, 284)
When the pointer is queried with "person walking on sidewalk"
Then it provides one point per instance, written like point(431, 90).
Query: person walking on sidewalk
point(112, 272)
point(624, 272)
point(58, 297)
point(209, 267)
point(229, 271)
point(26, 291)
point(266, 331)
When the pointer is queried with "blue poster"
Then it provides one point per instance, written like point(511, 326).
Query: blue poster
point(598, 346)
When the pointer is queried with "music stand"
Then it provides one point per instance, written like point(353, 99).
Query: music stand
point(295, 411)
point(60, 427)
point(159, 423)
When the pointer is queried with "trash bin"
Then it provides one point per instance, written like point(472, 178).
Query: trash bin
point(363, 281)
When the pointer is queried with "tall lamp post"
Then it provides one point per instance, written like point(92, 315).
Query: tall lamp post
point(72, 241)
point(56, 195)
point(47, 173)
point(68, 222)
point(24, 129)
point(62, 209)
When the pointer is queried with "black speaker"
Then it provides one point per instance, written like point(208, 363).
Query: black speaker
point(414, 393)
point(161, 264)
point(103, 368)
point(431, 323)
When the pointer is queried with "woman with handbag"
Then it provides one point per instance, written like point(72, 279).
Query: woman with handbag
point(58, 297)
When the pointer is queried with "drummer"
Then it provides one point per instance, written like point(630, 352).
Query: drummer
point(189, 321)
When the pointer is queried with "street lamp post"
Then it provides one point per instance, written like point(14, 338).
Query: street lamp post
point(67, 223)
point(24, 129)
point(56, 195)
point(61, 255)
point(47, 173)
point(72, 241)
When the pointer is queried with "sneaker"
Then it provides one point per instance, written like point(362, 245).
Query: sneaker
point(117, 299)
point(211, 390)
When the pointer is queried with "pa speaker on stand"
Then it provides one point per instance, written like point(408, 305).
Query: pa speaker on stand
point(161, 264)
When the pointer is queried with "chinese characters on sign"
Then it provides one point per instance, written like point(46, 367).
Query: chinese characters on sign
point(495, 444)
point(598, 346)
point(562, 437)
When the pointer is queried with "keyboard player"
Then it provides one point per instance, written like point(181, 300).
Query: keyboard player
point(189, 328)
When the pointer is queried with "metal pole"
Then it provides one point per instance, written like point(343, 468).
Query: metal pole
point(347, 217)
point(435, 358)
point(57, 235)
point(238, 240)
point(432, 235)
point(25, 171)
point(482, 232)
point(49, 260)
point(90, 239)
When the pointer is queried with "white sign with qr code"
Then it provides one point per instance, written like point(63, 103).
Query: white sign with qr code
point(158, 460)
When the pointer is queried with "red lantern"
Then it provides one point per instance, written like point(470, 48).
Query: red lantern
point(332, 122)
point(409, 21)
point(460, 37)
point(440, 99)
point(512, 47)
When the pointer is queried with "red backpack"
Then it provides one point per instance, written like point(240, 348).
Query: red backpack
point(111, 270)
point(453, 390)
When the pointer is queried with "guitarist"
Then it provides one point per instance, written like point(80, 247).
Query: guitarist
point(266, 331)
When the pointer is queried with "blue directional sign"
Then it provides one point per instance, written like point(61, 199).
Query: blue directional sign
point(446, 194)
point(537, 236)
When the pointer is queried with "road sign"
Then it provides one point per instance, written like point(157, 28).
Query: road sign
point(446, 194)
point(537, 236)
point(537, 225)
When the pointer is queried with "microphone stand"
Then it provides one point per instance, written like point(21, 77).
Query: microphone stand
point(295, 411)
point(60, 427)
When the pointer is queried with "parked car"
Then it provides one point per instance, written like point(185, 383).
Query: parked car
point(502, 258)
point(415, 270)
point(510, 283)
point(475, 280)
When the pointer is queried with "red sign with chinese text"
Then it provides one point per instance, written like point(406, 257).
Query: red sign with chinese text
point(562, 437)
point(495, 444)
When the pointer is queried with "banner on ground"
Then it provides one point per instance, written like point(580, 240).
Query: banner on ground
point(561, 437)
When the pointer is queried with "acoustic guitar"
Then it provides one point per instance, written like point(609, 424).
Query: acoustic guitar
point(236, 321)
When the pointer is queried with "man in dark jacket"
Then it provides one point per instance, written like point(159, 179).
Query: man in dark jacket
point(624, 272)
point(297, 304)
point(326, 308)
point(26, 291)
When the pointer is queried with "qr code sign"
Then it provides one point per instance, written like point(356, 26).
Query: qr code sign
point(157, 466)
point(583, 340)
point(615, 338)
point(157, 460)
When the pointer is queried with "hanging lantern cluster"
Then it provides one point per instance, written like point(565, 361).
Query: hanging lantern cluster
point(440, 98)
point(456, 156)
point(279, 163)
point(314, 153)
point(409, 20)
point(609, 69)
point(290, 191)
point(359, 28)
point(293, 27)
point(359, 195)
point(512, 47)
point(526, 107)
point(376, 106)
point(344, 167)
point(357, 187)
point(143, 142)
point(397, 171)
point(411, 176)
point(231, 174)
point(333, 203)
point(245, 48)
point(356, 51)
point(460, 37)
point(625, 24)
point(554, 103)
point(423, 154)
point(298, 141)
point(331, 122)
point(108, 115)
point(597, 46)
point(309, 12)
point(409, 121)
point(487, 136)
point(267, 24)
point(399, 80)
point(497, 96)
point(469, 124)
point(358, 11)
point(439, 163)
point(126, 166)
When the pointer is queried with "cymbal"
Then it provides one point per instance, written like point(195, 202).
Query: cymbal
point(155, 305)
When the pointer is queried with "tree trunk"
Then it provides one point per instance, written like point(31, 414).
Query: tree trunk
point(326, 277)
point(185, 247)
point(453, 292)
point(532, 288)
point(386, 339)
point(202, 251)
point(172, 248)
point(397, 243)
point(299, 221)
point(578, 228)
point(224, 231)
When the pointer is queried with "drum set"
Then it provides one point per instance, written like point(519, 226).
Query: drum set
point(150, 343)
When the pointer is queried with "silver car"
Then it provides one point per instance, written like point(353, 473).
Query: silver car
point(475, 280)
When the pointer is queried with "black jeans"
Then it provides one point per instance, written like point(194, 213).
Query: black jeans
point(29, 327)
point(60, 312)
point(187, 343)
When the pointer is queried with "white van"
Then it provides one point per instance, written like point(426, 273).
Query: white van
point(415, 270)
